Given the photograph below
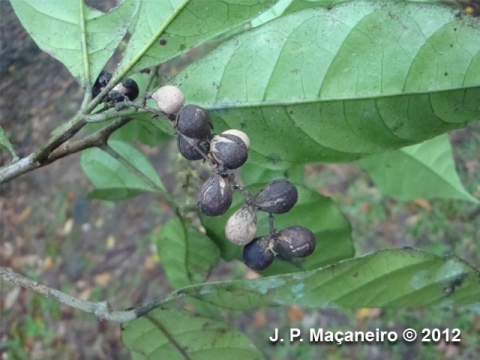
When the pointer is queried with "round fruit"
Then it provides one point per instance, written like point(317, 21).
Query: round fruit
point(215, 196)
point(194, 122)
point(295, 241)
point(101, 83)
point(258, 254)
point(188, 147)
point(169, 99)
point(229, 150)
point(126, 90)
point(240, 134)
point(278, 197)
point(241, 227)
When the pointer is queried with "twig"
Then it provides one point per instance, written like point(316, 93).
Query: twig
point(101, 309)
point(29, 163)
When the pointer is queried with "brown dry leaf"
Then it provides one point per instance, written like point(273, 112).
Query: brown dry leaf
point(348, 200)
point(366, 313)
point(47, 263)
point(423, 203)
point(476, 322)
point(449, 350)
point(365, 207)
point(295, 313)
point(85, 294)
point(250, 274)
point(67, 227)
point(103, 278)
point(17, 219)
point(110, 242)
point(259, 318)
point(325, 192)
point(413, 219)
point(151, 261)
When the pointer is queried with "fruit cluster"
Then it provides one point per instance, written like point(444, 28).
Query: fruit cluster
point(225, 152)
point(127, 90)
point(229, 151)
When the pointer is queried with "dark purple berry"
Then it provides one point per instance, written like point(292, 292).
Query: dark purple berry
point(258, 254)
point(189, 147)
point(278, 197)
point(229, 150)
point(215, 196)
point(101, 83)
point(295, 242)
point(193, 122)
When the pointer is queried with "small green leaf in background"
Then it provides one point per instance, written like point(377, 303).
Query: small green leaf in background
point(83, 39)
point(425, 170)
point(314, 211)
point(200, 338)
point(111, 179)
point(6, 143)
point(186, 253)
point(182, 25)
point(335, 85)
point(397, 278)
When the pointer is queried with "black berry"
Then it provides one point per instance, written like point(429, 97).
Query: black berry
point(229, 150)
point(295, 242)
point(189, 148)
point(101, 83)
point(215, 196)
point(194, 122)
point(258, 254)
point(124, 91)
point(278, 197)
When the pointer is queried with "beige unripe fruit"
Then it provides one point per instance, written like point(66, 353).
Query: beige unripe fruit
point(169, 99)
point(241, 227)
point(240, 134)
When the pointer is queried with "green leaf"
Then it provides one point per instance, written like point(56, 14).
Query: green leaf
point(199, 337)
point(187, 254)
point(314, 211)
point(6, 143)
point(425, 170)
point(112, 180)
point(83, 39)
point(336, 85)
point(182, 25)
point(396, 278)
point(149, 131)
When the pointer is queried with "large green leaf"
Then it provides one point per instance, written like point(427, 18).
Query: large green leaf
point(425, 170)
point(182, 25)
point(257, 174)
point(314, 211)
point(395, 278)
point(186, 253)
point(198, 337)
point(336, 85)
point(83, 39)
point(112, 180)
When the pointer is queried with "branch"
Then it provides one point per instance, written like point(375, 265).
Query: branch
point(101, 309)
point(29, 163)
